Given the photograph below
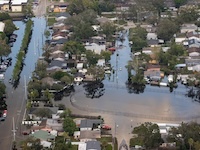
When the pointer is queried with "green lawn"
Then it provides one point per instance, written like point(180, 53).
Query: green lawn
point(107, 139)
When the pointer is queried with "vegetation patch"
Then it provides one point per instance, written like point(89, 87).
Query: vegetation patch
point(22, 53)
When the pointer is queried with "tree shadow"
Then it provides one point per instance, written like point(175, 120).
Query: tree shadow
point(94, 89)
point(135, 88)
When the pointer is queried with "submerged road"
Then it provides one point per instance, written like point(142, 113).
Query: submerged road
point(16, 97)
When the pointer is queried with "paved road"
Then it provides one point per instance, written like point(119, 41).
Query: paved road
point(40, 10)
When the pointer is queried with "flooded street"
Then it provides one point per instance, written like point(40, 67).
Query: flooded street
point(119, 107)
point(16, 97)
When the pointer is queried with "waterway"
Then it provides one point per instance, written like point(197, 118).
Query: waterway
point(154, 103)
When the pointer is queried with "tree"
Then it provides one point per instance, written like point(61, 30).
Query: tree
point(148, 135)
point(189, 135)
point(33, 94)
point(106, 55)
point(74, 47)
point(83, 30)
point(59, 74)
point(43, 113)
point(9, 27)
point(166, 29)
point(191, 142)
point(4, 48)
point(92, 58)
point(108, 29)
point(187, 15)
point(27, 10)
point(178, 3)
point(4, 16)
point(69, 126)
point(67, 79)
point(31, 144)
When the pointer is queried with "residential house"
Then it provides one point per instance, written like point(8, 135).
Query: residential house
point(57, 25)
point(165, 14)
point(56, 65)
point(149, 28)
point(46, 137)
point(62, 16)
point(54, 124)
point(194, 51)
point(194, 43)
point(2, 26)
point(96, 48)
point(60, 7)
point(57, 54)
point(153, 42)
point(191, 62)
point(4, 5)
point(33, 111)
point(59, 42)
point(17, 5)
point(78, 77)
point(98, 39)
point(192, 34)
point(188, 28)
point(147, 50)
point(180, 40)
point(89, 124)
point(87, 135)
point(79, 66)
point(153, 72)
point(90, 145)
point(101, 62)
point(152, 36)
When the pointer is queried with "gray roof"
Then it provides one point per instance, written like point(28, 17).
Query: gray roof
point(152, 42)
point(88, 123)
point(94, 145)
point(57, 63)
point(63, 14)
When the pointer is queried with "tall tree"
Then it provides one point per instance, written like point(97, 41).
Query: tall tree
point(9, 27)
point(149, 134)
point(69, 125)
point(166, 29)
point(4, 48)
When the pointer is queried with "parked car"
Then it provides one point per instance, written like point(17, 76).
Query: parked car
point(106, 127)
point(5, 113)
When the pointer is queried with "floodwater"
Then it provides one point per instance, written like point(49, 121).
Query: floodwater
point(155, 103)
point(34, 49)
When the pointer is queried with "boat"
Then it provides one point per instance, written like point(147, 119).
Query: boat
point(123, 145)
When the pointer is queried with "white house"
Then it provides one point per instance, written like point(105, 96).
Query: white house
point(152, 36)
point(179, 40)
point(96, 48)
point(79, 66)
point(17, 5)
point(101, 62)
point(188, 28)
